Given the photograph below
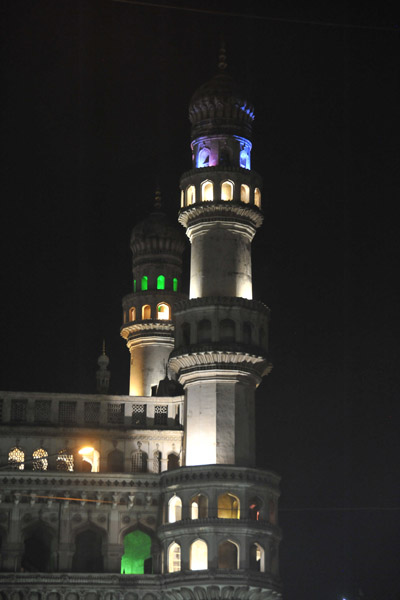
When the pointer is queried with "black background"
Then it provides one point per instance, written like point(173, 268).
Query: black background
point(95, 98)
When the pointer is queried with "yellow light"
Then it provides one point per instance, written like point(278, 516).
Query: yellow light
point(86, 450)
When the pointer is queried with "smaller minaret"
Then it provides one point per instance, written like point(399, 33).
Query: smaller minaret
point(157, 248)
point(103, 374)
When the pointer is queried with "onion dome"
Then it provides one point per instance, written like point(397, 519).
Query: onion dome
point(219, 107)
point(156, 235)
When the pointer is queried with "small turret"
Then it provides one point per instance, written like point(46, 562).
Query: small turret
point(103, 374)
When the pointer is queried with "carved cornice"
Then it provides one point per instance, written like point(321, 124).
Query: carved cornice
point(216, 301)
point(221, 211)
point(228, 473)
point(151, 328)
point(220, 363)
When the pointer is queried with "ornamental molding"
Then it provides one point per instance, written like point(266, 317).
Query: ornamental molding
point(197, 366)
point(220, 170)
point(152, 329)
point(229, 211)
point(221, 473)
point(218, 301)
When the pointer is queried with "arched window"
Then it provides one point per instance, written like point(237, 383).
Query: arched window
point(207, 191)
point(199, 507)
point(161, 282)
point(227, 330)
point(88, 556)
point(244, 193)
point(156, 461)
point(38, 547)
point(257, 197)
point(254, 509)
point(257, 558)
point(174, 284)
point(244, 159)
point(139, 462)
point(146, 312)
point(185, 328)
point(137, 553)
point(173, 461)
point(228, 506)
point(163, 311)
point(204, 331)
point(182, 198)
point(115, 461)
point(247, 332)
point(227, 190)
point(198, 558)
point(40, 461)
point(90, 459)
point(190, 195)
point(134, 285)
point(16, 458)
point(65, 460)
point(174, 558)
point(132, 313)
point(144, 283)
point(228, 555)
point(204, 158)
point(174, 509)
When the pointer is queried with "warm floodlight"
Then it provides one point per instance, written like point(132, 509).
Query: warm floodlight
point(91, 456)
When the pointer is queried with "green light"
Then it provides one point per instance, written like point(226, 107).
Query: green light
point(175, 284)
point(144, 283)
point(137, 547)
point(161, 282)
point(134, 285)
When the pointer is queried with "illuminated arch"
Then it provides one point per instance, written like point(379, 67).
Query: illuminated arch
point(174, 558)
point(257, 558)
point(244, 159)
point(199, 507)
point(174, 509)
point(161, 282)
point(65, 460)
point(198, 556)
point(228, 555)
point(227, 191)
point(163, 311)
point(90, 457)
point(182, 198)
point(203, 159)
point(207, 191)
point(257, 198)
point(132, 313)
point(144, 283)
point(40, 460)
point(175, 284)
point(146, 312)
point(228, 506)
point(16, 458)
point(190, 195)
point(137, 553)
point(244, 193)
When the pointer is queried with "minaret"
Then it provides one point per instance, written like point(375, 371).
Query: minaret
point(157, 248)
point(221, 348)
point(102, 373)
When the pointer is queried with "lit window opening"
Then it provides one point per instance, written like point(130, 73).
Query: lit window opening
point(175, 284)
point(198, 558)
point(132, 314)
point(40, 461)
point(144, 283)
point(174, 509)
point(174, 558)
point(163, 311)
point(16, 458)
point(146, 312)
point(245, 193)
point(257, 198)
point(227, 191)
point(161, 282)
point(91, 457)
point(191, 195)
point(207, 191)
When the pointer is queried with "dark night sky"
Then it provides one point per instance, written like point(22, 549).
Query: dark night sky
point(95, 115)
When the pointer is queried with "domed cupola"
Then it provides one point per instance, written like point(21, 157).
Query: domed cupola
point(219, 106)
point(157, 248)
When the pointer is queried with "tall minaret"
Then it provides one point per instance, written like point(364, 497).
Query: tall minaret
point(221, 340)
point(157, 248)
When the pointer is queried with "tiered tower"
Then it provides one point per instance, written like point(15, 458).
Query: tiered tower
point(221, 349)
point(157, 249)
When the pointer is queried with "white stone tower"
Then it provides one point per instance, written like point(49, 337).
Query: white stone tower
point(157, 249)
point(221, 350)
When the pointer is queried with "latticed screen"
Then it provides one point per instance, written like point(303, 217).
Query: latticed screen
point(67, 412)
point(160, 415)
point(139, 462)
point(65, 461)
point(18, 410)
point(139, 415)
point(16, 458)
point(115, 413)
point(92, 413)
point(40, 462)
point(42, 411)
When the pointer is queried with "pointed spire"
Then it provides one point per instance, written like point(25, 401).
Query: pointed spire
point(222, 64)
point(104, 346)
point(103, 374)
point(157, 199)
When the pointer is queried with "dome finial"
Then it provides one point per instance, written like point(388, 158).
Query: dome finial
point(222, 56)
point(157, 199)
